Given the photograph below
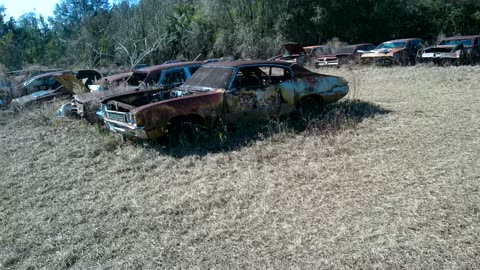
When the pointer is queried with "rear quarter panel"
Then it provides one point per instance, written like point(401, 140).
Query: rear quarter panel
point(329, 88)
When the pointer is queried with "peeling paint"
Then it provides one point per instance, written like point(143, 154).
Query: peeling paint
point(256, 93)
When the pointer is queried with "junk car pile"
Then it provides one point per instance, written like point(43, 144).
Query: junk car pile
point(150, 102)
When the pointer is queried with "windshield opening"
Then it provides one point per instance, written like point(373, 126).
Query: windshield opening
point(211, 77)
point(391, 45)
point(320, 51)
point(456, 42)
point(136, 78)
point(345, 50)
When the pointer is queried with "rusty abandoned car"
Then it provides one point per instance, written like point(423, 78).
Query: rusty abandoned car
point(394, 52)
point(296, 53)
point(112, 81)
point(165, 76)
point(344, 55)
point(51, 85)
point(458, 50)
point(227, 92)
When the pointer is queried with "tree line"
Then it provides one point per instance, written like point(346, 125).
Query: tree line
point(93, 33)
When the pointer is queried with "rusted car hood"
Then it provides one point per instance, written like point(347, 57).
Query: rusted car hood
point(113, 78)
point(109, 95)
point(382, 52)
point(96, 95)
point(190, 101)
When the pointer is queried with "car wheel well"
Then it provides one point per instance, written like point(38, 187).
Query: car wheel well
point(315, 97)
point(310, 106)
point(185, 130)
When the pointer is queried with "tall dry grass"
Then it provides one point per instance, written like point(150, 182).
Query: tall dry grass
point(397, 189)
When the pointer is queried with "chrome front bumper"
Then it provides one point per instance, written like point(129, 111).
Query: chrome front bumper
point(125, 129)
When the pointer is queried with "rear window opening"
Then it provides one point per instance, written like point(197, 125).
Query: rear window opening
point(136, 78)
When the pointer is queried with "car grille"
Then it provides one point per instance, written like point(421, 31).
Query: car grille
point(116, 116)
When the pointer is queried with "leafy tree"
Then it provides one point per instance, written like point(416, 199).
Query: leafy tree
point(94, 33)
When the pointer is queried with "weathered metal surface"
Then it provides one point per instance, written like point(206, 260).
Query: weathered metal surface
point(344, 55)
point(296, 53)
point(71, 83)
point(88, 104)
point(453, 50)
point(245, 90)
point(155, 117)
point(113, 81)
point(45, 81)
point(38, 96)
point(399, 51)
point(152, 74)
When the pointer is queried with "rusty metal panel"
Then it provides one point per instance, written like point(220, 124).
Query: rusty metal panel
point(71, 83)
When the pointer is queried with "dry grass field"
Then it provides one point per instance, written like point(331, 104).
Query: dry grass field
point(393, 183)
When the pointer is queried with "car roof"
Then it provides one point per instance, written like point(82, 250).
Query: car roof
point(361, 44)
point(117, 76)
point(315, 46)
point(240, 63)
point(461, 37)
point(48, 74)
point(166, 66)
point(402, 40)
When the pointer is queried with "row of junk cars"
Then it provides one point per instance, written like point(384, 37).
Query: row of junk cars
point(457, 50)
point(180, 98)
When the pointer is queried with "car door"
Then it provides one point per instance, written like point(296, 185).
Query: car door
point(253, 94)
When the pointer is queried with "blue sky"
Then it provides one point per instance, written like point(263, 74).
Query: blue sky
point(16, 8)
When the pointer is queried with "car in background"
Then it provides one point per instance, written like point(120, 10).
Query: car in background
point(211, 60)
point(112, 81)
point(51, 85)
point(344, 55)
point(168, 62)
point(87, 105)
point(5, 92)
point(459, 50)
point(228, 92)
point(296, 53)
point(139, 66)
point(394, 52)
point(19, 76)
point(164, 74)
point(41, 82)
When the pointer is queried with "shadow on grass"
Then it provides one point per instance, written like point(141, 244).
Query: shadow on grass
point(333, 118)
